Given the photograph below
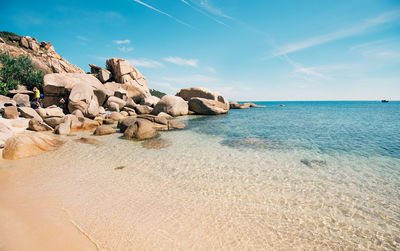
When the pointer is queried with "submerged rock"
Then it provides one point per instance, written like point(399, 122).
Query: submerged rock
point(156, 143)
point(89, 141)
point(314, 163)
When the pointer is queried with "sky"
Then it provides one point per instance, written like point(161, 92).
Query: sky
point(243, 49)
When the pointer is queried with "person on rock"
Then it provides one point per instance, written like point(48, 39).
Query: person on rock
point(37, 96)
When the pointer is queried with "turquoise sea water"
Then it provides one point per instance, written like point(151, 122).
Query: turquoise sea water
point(307, 176)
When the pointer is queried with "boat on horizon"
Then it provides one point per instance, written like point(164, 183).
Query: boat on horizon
point(385, 101)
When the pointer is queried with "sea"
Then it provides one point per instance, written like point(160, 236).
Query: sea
point(321, 175)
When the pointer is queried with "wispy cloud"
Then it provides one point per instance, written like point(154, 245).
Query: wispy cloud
point(182, 61)
point(162, 12)
point(125, 49)
point(208, 6)
point(127, 41)
point(147, 63)
point(203, 13)
point(82, 38)
point(379, 49)
point(357, 29)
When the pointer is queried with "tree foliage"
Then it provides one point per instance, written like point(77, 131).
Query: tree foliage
point(157, 93)
point(19, 71)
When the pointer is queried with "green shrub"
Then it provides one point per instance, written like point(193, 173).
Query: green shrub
point(6, 35)
point(157, 93)
point(3, 89)
point(19, 71)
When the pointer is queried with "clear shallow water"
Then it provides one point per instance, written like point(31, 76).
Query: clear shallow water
point(311, 175)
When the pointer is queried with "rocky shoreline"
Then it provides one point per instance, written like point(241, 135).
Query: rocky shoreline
point(74, 101)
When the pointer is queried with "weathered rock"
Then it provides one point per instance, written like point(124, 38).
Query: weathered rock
point(155, 119)
point(108, 121)
point(82, 98)
point(104, 75)
point(29, 144)
point(113, 107)
point(59, 85)
point(116, 116)
point(172, 124)
point(172, 105)
point(150, 101)
point(207, 106)
point(94, 69)
point(65, 127)
point(121, 103)
point(128, 109)
point(236, 105)
point(29, 113)
point(200, 92)
point(102, 110)
point(78, 113)
point(24, 43)
point(5, 133)
point(104, 130)
point(143, 109)
point(88, 124)
point(125, 123)
point(130, 78)
point(22, 100)
point(10, 112)
point(121, 93)
point(130, 103)
point(38, 126)
point(54, 111)
point(124, 113)
point(142, 129)
point(53, 121)
point(164, 115)
point(6, 101)
point(255, 105)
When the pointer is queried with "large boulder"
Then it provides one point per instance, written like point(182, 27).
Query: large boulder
point(104, 130)
point(130, 78)
point(29, 144)
point(65, 127)
point(22, 100)
point(143, 109)
point(173, 105)
point(29, 113)
point(142, 129)
point(150, 101)
point(38, 126)
point(59, 85)
point(207, 106)
point(121, 103)
point(83, 98)
point(10, 112)
point(123, 124)
point(201, 92)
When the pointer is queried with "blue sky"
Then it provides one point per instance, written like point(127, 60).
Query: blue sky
point(246, 50)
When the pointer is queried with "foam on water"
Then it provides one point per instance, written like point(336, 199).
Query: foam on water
point(306, 176)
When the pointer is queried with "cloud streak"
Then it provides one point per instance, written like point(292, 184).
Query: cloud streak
point(204, 13)
point(146, 63)
point(125, 49)
point(352, 31)
point(163, 13)
point(127, 41)
point(182, 61)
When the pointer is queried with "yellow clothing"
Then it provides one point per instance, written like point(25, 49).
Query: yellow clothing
point(37, 93)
